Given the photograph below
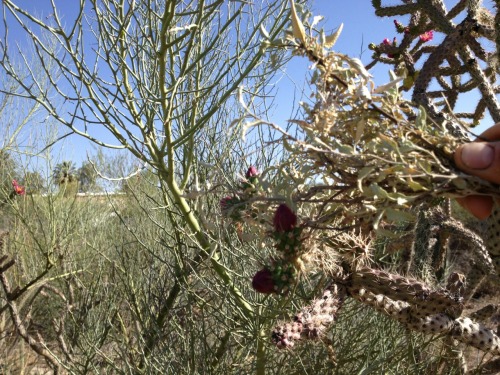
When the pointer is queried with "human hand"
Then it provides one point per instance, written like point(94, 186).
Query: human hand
point(482, 159)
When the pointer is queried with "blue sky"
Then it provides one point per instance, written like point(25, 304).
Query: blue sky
point(361, 27)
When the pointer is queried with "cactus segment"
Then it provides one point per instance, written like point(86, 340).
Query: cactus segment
point(312, 321)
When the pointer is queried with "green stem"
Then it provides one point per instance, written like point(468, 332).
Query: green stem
point(261, 353)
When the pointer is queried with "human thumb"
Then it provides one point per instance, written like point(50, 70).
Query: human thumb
point(480, 159)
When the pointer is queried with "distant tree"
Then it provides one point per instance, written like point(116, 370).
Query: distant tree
point(64, 173)
point(65, 176)
point(87, 177)
point(8, 170)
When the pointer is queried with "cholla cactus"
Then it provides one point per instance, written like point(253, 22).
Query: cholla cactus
point(377, 157)
point(364, 161)
point(423, 300)
point(457, 54)
point(462, 329)
point(493, 238)
point(312, 321)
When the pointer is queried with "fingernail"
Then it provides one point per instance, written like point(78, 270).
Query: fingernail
point(477, 155)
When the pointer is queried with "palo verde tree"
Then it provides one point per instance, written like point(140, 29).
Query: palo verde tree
point(87, 177)
point(161, 78)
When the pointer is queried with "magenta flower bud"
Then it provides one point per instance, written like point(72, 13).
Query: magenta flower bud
point(399, 26)
point(284, 219)
point(252, 172)
point(427, 36)
point(386, 41)
point(263, 281)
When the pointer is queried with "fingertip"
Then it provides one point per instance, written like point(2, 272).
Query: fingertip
point(476, 155)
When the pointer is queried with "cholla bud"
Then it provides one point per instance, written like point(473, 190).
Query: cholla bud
point(399, 26)
point(263, 281)
point(251, 172)
point(284, 219)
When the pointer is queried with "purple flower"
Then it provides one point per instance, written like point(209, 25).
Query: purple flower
point(263, 281)
point(284, 219)
point(251, 172)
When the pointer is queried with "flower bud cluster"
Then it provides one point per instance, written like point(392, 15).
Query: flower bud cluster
point(277, 278)
point(391, 48)
point(282, 273)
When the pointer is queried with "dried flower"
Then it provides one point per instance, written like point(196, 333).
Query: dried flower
point(263, 281)
point(251, 172)
point(428, 35)
point(18, 189)
point(284, 219)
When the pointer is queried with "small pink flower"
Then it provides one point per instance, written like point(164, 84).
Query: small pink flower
point(18, 189)
point(263, 281)
point(428, 35)
point(284, 219)
point(251, 172)
point(387, 42)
